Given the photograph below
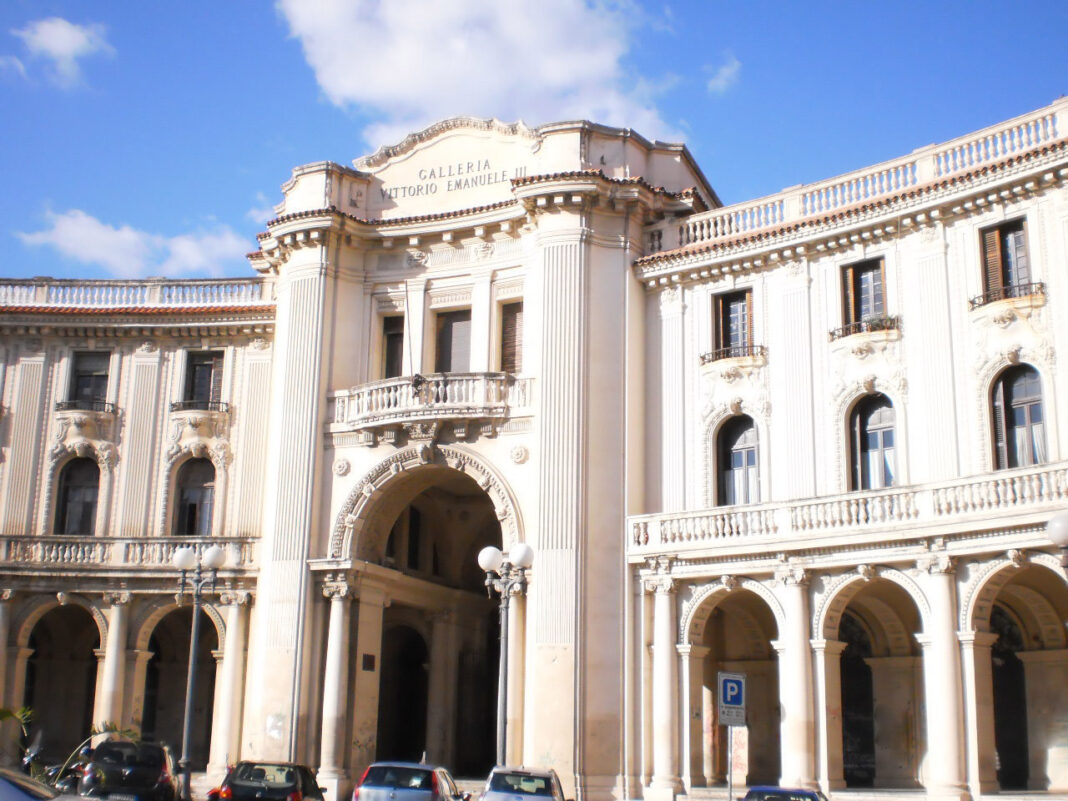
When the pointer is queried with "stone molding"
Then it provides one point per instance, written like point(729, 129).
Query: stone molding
point(838, 591)
point(703, 598)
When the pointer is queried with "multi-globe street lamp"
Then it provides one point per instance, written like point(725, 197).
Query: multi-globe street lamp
point(507, 575)
point(1057, 529)
point(185, 559)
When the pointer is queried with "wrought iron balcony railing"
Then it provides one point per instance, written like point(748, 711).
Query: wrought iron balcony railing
point(82, 405)
point(1006, 292)
point(200, 406)
point(888, 323)
point(735, 352)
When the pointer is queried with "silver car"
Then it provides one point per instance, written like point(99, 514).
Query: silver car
point(407, 781)
point(519, 784)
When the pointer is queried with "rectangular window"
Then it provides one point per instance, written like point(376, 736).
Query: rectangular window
point(1006, 266)
point(392, 346)
point(89, 383)
point(453, 352)
point(512, 338)
point(862, 292)
point(203, 377)
point(734, 324)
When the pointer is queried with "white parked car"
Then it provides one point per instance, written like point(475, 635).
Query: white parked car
point(520, 784)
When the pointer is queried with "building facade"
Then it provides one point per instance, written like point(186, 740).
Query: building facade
point(813, 438)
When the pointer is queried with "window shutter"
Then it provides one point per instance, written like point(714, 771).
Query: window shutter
point(748, 318)
point(992, 272)
point(1001, 445)
point(1018, 242)
point(881, 297)
point(216, 377)
point(849, 305)
point(454, 342)
point(512, 338)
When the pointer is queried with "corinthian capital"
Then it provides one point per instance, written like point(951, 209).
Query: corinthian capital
point(117, 598)
point(937, 564)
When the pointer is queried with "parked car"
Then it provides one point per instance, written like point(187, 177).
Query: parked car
point(17, 786)
point(515, 784)
point(121, 770)
point(407, 781)
point(268, 781)
point(783, 794)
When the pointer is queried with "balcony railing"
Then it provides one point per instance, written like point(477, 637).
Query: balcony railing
point(1006, 292)
point(200, 406)
point(152, 292)
point(88, 553)
point(438, 396)
point(865, 326)
point(85, 406)
point(989, 501)
point(735, 352)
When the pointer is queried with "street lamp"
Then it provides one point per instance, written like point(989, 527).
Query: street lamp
point(1057, 529)
point(506, 574)
point(185, 559)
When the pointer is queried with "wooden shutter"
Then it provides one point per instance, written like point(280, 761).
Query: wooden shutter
point(512, 338)
point(216, 377)
point(392, 346)
point(719, 314)
point(1000, 414)
point(849, 302)
point(453, 342)
point(992, 269)
point(748, 318)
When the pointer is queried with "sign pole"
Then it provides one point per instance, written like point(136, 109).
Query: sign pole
point(730, 763)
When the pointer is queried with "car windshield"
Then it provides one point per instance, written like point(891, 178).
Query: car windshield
point(132, 754)
point(25, 784)
point(398, 776)
point(265, 774)
point(522, 783)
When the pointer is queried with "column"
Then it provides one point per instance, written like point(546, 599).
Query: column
point(797, 727)
point(829, 713)
point(335, 702)
point(109, 706)
point(665, 783)
point(230, 689)
point(8, 730)
point(517, 636)
point(979, 710)
point(372, 603)
point(942, 685)
point(692, 675)
point(441, 692)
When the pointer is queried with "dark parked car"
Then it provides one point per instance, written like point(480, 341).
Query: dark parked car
point(783, 794)
point(268, 781)
point(407, 781)
point(120, 770)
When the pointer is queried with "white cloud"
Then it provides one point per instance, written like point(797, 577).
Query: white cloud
point(726, 76)
point(63, 43)
point(129, 253)
point(12, 64)
point(410, 62)
point(262, 211)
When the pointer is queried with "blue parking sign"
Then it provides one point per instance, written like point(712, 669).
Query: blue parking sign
point(731, 699)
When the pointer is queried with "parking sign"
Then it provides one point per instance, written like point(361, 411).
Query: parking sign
point(731, 699)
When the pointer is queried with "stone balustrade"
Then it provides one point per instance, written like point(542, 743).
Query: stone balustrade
point(931, 163)
point(988, 501)
point(86, 553)
point(439, 396)
point(154, 292)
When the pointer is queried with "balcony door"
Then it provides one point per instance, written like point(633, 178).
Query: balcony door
point(453, 351)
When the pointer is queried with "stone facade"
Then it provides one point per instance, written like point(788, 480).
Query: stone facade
point(813, 438)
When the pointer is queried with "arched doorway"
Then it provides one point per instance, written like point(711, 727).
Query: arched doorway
point(402, 698)
point(165, 684)
point(60, 684)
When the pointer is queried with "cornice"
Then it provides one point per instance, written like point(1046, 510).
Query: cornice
point(412, 140)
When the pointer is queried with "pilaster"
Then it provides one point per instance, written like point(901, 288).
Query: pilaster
point(665, 783)
point(337, 590)
point(830, 766)
point(979, 710)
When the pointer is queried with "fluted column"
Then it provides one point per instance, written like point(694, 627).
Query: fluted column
point(979, 710)
point(109, 707)
point(665, 782)
point(829, 712)
point(230, 690)
point(691, 680)
point(335, 706)
point(797, 728)
point(942, 685)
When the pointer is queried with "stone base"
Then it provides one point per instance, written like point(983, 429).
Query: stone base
point(662, 792)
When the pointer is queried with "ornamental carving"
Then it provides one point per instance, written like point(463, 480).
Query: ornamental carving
point(337, 586)
point(519, 454)
point(342, 467)
point(235, 598)
point(409, 143)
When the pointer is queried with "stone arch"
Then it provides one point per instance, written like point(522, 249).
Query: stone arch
point(846, 399)
point(842, 589)
point(715, 419)
point(38, 606)
point(696, 611)
point(353, 518)
point(988, 372)
point(151, 613)
point(197, 449)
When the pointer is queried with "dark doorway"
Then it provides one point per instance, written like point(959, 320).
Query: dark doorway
point(402, 699)
point(476, 718)
point(858, 705)
point(1010, 701)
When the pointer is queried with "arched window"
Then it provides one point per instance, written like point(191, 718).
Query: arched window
point(196, 495)
point(79, 482)
point(872, 443)
point(737, 457)
point(1019, 435)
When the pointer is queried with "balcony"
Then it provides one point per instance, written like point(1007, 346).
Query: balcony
point(1028, 292)
point(58, 553)
point(871, 325)
point(756, 353)
point(1008, 498)
point(457, 398)
point(200, 406)
point(100, 406)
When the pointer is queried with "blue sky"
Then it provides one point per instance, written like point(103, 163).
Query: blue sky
point(151, 139)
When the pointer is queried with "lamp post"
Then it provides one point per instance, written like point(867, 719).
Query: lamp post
point(185, 559)
point(1057, 529)
point(506, 574)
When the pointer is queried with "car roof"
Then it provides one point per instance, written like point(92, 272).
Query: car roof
point(422, 765)
point(524, 770)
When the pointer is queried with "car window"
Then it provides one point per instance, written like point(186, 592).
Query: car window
point(27, 785)
point(398, 776)
point(265, 774)
point(521, 783)
point(130, 754)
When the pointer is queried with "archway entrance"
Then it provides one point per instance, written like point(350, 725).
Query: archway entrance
point(165, 683)
point(61, 679)
point(439, 655)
